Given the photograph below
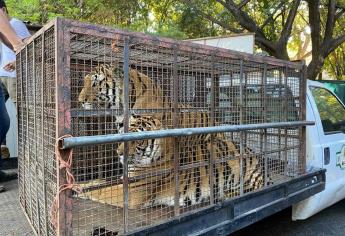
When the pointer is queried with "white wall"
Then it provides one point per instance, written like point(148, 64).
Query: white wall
point(241, 42)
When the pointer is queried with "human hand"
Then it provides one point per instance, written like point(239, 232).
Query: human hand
point(10, 67)
point(20, 45)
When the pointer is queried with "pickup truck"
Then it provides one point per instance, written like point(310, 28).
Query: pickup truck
point(325, 148)
point(56, 62)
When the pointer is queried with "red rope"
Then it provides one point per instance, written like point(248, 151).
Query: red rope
point(69, 185)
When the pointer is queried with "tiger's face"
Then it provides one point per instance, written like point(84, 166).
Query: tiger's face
point(102, 86)
point(144, 152)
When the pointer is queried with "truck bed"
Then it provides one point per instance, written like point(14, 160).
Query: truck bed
point(221, 219)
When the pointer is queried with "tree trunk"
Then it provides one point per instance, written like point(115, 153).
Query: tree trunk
point(322, 37)
point(314, 68)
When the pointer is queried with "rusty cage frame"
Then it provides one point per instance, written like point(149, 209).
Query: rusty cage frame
point(47, 70)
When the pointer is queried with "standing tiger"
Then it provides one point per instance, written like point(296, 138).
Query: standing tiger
point(150, 156)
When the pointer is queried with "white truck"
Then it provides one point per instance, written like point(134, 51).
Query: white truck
point(325, 148)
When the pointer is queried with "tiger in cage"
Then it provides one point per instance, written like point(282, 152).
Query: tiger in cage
point(150, 156)
point(105, 86)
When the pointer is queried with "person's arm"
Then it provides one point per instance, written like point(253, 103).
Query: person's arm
point(7, 34)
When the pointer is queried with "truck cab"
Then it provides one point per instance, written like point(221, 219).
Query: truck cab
point(325, 148)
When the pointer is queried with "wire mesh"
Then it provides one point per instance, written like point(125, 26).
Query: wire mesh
point(120, 82)
point(36, 127)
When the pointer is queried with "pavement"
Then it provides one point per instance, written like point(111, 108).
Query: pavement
point(12, 219)
point(329, 222)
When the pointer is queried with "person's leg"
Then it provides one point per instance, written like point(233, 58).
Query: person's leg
point(4, 126)
point(4, 118)
point(3, 85)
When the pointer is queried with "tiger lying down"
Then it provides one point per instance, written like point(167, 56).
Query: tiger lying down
point(150, 156)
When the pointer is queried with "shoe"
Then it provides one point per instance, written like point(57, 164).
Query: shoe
point(7, 176)
point(5, 153)
point(2, 189)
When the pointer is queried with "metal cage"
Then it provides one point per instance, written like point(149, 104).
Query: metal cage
point(219, 125)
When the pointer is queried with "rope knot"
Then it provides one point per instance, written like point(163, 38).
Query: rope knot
point(70, 181)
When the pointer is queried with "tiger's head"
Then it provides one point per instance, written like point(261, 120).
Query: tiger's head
point(101, 86)
point(145, 152)
point(104, 85)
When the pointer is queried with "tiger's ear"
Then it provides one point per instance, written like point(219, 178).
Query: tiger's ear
point(87, 81)
point(86, 91)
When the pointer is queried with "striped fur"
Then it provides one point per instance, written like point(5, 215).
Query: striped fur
point(147, 157)
point(152, 155)
point(104, 86)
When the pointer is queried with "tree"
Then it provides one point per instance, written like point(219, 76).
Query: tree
point(283, 28)
point(335, 63)
point(273, 21)
point(122, 13)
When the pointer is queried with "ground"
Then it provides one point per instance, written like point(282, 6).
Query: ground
point(329, 222)
point(12, 219)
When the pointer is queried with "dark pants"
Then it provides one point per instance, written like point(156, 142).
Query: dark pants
point(4, 119)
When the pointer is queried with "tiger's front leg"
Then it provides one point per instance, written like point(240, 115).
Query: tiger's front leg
point(138, 195)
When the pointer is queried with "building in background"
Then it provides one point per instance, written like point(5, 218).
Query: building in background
point(237, 42)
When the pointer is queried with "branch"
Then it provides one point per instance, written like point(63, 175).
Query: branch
point(213, 19)
point(306, 42)
point(337, 6)
point(284, 36)
point(339, 14)
point(248, 23)
point(314, 21)
point(270, 17)
point(306, 55)
point(242, 3)
point(302, 17)
point(244, 20)
point(330, 21)
point(336, 43)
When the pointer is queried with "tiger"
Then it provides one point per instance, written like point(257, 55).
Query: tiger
point(104, 85)
point(148, 156)
point(153, 155)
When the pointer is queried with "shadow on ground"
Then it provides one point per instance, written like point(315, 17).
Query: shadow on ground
point(329, 222)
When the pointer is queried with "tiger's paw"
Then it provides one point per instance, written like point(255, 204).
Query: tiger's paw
point(87, 106)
